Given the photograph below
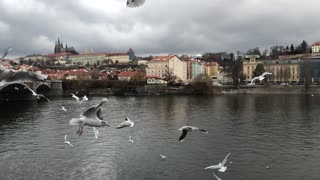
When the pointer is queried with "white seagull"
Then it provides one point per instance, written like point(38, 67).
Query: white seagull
point(135, 3)
point(260, 78)
point(185, 130)
point(163, 157)
point(130, 139)
point(126, 123)
point(16, 88)
point(66, 141)
point(39, 96)
point(216, 176)
point(63, 109)
point(85, 98)
point(96, 132)
point(76, 97)
point(221, 166)
point(91, 117)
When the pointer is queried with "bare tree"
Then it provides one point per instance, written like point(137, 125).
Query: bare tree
point(168, 75)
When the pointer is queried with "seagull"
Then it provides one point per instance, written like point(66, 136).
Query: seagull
point(126, 123)
point(76, 97)
point(130, 139)
point(260, 78)
point(66, 141)
point(5, 53)
point(63, 109)
point(96, 132)
point(135, 3)
point(216, 176)
point(39, 96)
point(91, 117)
point(85, 98)
point(163, 157)
point(221, 166)
point(185, 130)
point(16, 88)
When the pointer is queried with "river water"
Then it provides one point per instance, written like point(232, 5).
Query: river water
point(281, 132)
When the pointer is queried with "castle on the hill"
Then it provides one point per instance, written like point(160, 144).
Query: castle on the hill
point(58, 48)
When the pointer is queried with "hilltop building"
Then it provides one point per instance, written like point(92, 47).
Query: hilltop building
point(59, 48)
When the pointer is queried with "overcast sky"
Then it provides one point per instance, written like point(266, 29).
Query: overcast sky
point(157, 27)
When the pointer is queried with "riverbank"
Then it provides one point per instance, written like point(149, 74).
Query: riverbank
point(124, 88)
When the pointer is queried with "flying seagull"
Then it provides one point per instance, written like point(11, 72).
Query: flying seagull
point(66, 141)
point(76, 97)
point(260, 78)
point(5, 53)
point(96, 132)
point(130, 139)
point(63, 109)
point(221, 166)
point(163, 157)
point(91, 117)
point(85, 98)
point(135, 3)
point(126, 123)
point(185, 130)
point(39, 96)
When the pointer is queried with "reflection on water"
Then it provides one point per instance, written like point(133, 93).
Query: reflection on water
point(279, 131)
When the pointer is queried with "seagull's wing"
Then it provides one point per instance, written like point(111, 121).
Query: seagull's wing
point(65, 137)
point(99, 114)
point(213, 167)
point(183, 135)
point(123, 124)
point(135, 3)
point(266, 73)
point(44, 97)
point(225, 159)
point(92, 111)
point(216, 176)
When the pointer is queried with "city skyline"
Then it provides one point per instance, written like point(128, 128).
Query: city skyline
point(157, 27)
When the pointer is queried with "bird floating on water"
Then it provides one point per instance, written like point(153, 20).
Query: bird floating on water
point(221, 166)
point(186, 129)
point(91, 117)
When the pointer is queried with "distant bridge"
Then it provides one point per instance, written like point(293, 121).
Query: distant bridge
point(18, 90)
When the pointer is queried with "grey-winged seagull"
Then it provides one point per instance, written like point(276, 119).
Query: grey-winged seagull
point(221, 166)
point(126, 123)
point(91, 117)
point(186, 129)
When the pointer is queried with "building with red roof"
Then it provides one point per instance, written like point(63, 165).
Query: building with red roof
point(316, 47)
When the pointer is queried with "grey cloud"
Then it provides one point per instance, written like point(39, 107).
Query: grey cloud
point(164, 26)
